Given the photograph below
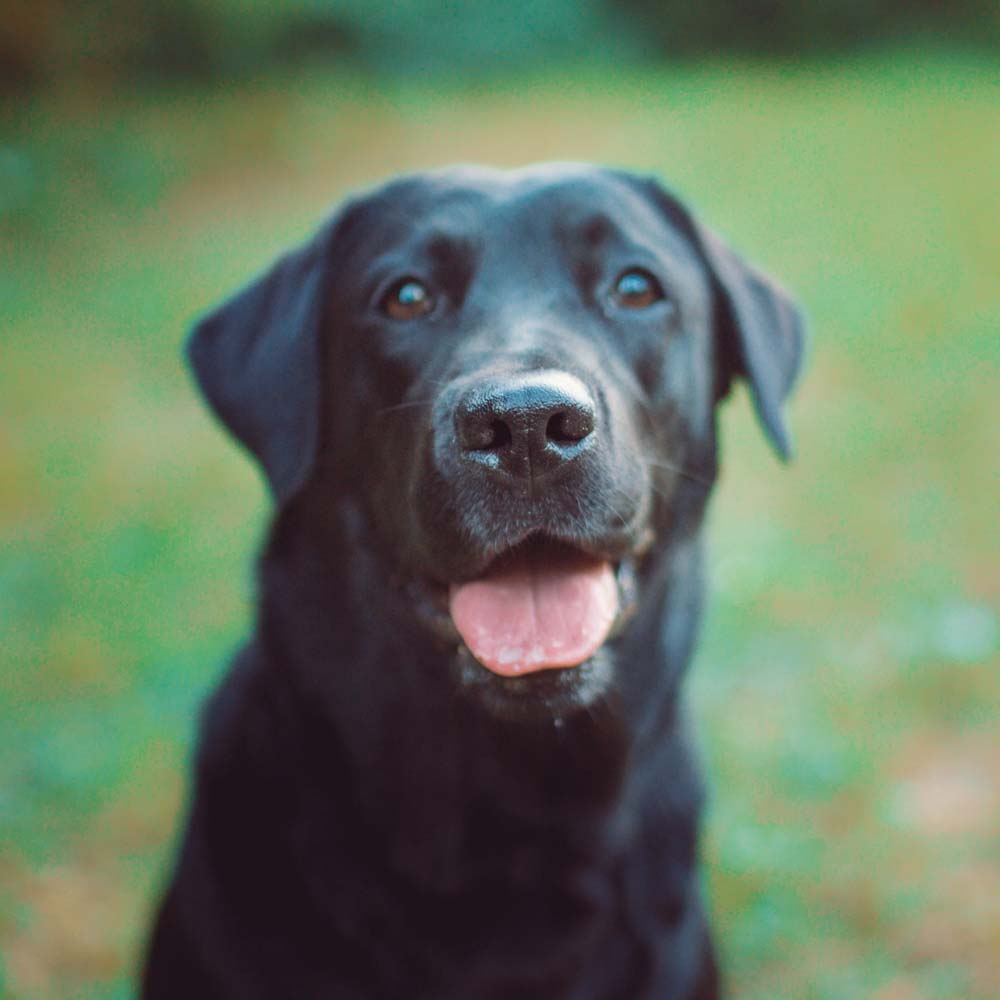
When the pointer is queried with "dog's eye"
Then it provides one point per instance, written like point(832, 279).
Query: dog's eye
point(407, 299)
point(637, 289)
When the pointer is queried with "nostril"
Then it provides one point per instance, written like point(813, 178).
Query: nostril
point(569, 426)
point(501, 437)
point(479, 433)
point(555, 429)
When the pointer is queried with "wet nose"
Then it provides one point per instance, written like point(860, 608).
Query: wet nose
point(526, 425)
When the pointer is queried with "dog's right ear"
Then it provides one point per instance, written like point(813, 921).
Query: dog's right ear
point(258, 360)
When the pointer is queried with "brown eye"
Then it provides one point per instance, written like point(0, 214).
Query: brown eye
point(637, 289)
point(407, 299)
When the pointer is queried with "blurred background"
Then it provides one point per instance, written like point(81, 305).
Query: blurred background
point(155, 153)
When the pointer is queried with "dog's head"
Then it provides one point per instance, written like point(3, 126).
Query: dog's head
point(515, 376)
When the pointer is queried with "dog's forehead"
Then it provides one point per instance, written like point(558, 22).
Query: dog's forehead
point(565, 202)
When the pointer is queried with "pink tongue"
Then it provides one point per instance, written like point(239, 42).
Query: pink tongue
point(538, 609)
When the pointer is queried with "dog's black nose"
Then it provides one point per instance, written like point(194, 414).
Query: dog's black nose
point(526, 425)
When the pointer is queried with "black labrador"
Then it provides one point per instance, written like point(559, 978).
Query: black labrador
point(451, 761)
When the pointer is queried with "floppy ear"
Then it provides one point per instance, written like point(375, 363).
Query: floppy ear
point(762, 331)
point(257, 359)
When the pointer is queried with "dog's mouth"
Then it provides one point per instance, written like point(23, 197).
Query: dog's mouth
point(541, 605)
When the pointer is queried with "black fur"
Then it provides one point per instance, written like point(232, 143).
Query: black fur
point(375, 814)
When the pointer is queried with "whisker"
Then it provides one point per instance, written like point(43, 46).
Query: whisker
point(411, 404)
point(621, 517)
point(679, 469)
point(605, 506)
point(662, 494)
point(640, 400)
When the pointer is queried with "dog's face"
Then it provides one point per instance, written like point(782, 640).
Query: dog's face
point(514, 374)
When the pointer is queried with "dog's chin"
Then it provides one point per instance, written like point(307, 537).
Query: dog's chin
point(546, 696)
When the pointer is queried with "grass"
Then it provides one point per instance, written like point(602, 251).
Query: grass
point(847, 682)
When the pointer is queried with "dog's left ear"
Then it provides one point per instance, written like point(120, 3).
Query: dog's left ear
point(761, 330)
point(258, 360)
point(762, 334)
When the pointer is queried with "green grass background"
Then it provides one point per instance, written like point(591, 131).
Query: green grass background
point(847, 686)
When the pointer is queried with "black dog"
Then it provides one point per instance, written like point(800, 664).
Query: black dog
point(451, 762)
